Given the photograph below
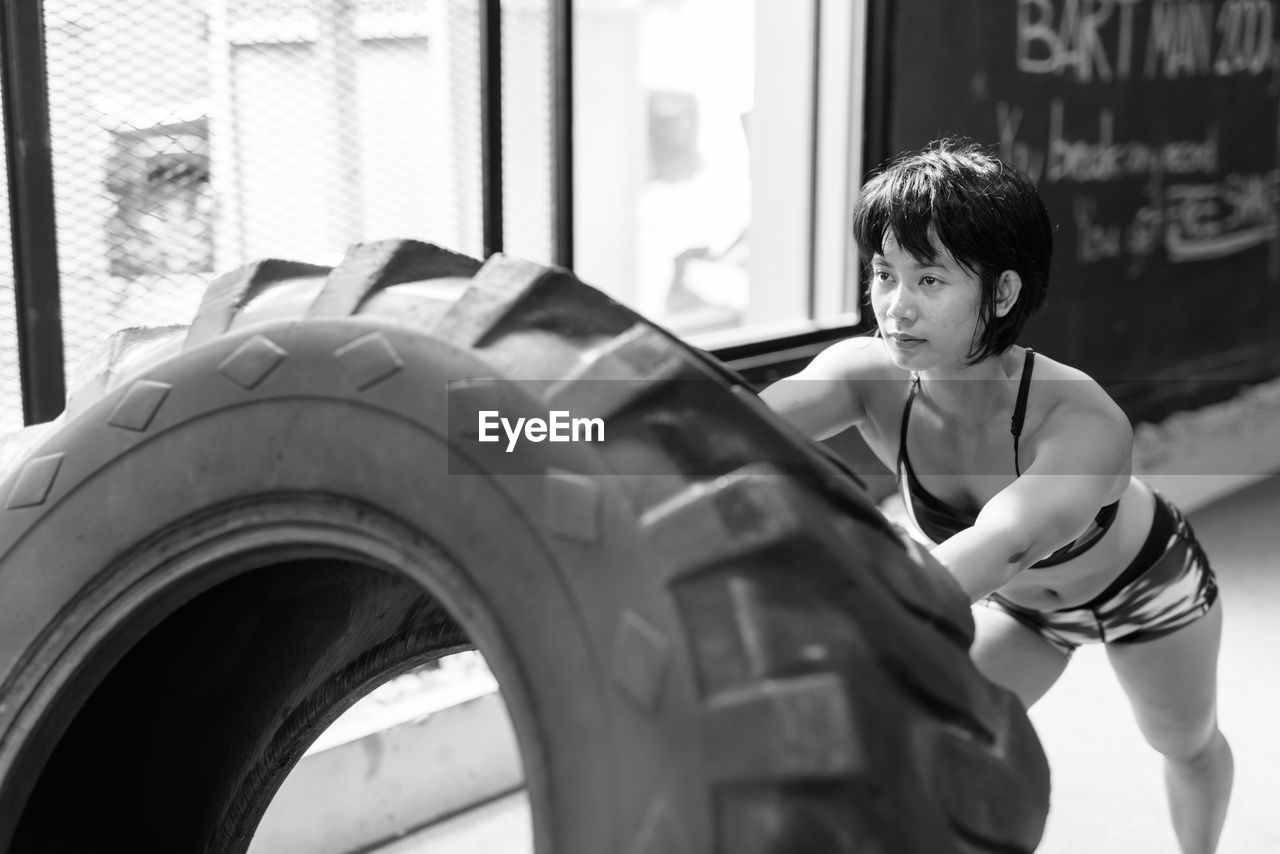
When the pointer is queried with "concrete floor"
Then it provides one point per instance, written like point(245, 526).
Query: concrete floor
point(1107, 792)
point(498, 827)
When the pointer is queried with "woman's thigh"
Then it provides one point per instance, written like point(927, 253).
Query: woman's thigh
point(1014, 656)
point(1172, 684)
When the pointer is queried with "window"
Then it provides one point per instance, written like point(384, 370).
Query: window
point(708, 173)
point(713, 167)
point(189, 139)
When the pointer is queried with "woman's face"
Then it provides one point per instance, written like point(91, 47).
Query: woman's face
point(927, 312)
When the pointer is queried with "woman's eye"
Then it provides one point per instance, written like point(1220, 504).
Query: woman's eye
point(880, 275)
point(930, 281)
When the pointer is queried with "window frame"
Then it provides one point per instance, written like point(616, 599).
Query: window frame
point(29, 161)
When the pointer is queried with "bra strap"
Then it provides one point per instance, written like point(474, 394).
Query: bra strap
point(1020, 408)
point(906, 415)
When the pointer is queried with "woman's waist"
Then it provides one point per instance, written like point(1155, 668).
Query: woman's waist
point(1080, 579)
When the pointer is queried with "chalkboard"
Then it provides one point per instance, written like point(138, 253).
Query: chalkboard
point(1151, 128)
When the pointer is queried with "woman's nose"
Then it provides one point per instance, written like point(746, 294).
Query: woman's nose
point(901, 307)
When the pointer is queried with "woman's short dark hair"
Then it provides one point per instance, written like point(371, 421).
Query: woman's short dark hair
point(987, 214)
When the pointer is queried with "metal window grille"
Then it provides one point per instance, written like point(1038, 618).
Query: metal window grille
point(188, 139)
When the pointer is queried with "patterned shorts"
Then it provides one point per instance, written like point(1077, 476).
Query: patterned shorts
point(1168, 585)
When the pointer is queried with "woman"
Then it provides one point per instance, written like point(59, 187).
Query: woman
point(1046, 529)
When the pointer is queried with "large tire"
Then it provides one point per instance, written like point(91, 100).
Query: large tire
point(708, 638)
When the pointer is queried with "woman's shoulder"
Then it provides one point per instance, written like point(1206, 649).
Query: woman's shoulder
point(835, 390)
point(861, 357)
point(864, 366)
point(1065, 392)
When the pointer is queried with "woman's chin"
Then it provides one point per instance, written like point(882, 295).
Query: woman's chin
point(910, 356)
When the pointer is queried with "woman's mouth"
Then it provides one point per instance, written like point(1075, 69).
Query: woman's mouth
point(905, 342)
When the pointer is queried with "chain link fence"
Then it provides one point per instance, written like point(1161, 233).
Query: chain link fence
point(191, 138)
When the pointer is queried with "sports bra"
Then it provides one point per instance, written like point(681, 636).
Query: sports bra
point(939, 520)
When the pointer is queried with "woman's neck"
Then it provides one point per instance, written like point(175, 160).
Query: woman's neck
point(973, 393)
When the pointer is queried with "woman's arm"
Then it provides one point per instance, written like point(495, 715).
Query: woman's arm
point(824, 398)
point(1081, 458)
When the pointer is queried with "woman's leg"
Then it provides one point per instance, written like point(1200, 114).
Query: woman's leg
point(1014, 656)
point(1172, 684)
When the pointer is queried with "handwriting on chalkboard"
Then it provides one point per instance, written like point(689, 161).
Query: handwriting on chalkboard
point(1103, 39)
point(1218, 218)
point(1101, 159)
point(1187, 206)
point(1191, 221)
point(1192, 211)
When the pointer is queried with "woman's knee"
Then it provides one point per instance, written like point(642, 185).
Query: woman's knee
point(1187, 744)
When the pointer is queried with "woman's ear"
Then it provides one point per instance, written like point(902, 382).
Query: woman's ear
point(1008, 288)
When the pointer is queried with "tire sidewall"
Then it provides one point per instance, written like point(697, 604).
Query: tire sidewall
point(224, 478)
